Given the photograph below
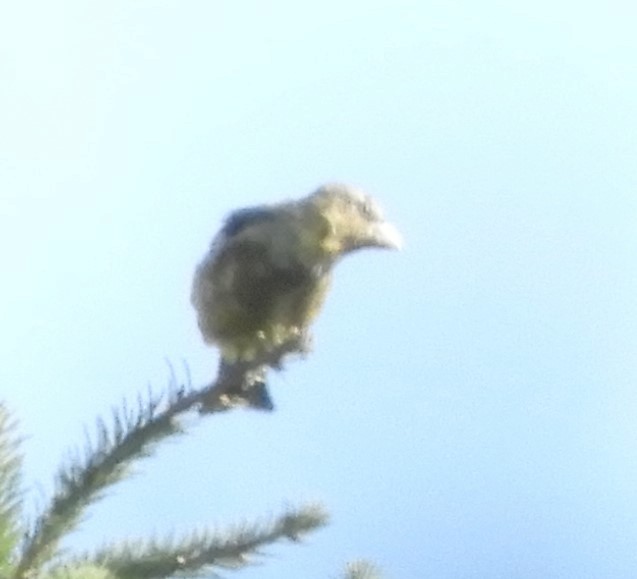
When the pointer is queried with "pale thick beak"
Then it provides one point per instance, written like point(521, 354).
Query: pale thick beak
point(385, 235)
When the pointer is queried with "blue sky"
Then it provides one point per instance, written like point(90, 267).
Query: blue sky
point(470, 406)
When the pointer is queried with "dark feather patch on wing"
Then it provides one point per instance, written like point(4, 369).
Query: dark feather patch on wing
point(257, 281)
point(242, 218)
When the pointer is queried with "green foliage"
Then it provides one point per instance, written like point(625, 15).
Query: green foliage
point(80, 482)
point(84, 478)
point(198, 552)
point(362, 570)
point(81, 572)
point(10, 490)
point(32, 551)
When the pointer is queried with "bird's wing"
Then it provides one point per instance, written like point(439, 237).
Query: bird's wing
point(254, 278)
point(242, 218)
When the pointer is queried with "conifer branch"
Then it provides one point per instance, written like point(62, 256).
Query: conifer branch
point(81, 572)
point(198, 553)
point(85, 476)
point(134, 434)
point(362, 569)
point(10, 490)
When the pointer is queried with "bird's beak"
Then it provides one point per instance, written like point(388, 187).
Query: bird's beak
point(385, 235)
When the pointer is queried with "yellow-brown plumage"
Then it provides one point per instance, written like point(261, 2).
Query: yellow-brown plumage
point(266, 275)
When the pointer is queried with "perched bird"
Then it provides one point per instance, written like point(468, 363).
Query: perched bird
point(266, 274)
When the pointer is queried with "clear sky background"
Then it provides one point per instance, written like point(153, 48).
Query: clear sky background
point(470, 409)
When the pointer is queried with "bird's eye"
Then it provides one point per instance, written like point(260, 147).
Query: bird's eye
point(370, 210)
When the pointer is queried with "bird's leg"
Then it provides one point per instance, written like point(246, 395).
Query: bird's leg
point(243, 382)
point(299, 342)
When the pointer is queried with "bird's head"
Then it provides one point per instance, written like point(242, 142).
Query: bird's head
point(353, 220)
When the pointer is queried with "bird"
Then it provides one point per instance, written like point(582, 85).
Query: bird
point(266, 274)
